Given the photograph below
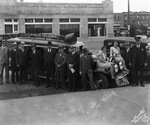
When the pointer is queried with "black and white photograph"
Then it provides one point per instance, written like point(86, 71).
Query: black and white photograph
point(74, 62)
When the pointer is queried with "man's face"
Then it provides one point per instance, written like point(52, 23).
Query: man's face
point(60, 50)
point(33, 48)
point(49, 47)
point(21, 46)
point(137, 42)
point(3, 44)
point(14, 47)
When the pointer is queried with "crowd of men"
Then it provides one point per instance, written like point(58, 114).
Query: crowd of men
point(61, 69)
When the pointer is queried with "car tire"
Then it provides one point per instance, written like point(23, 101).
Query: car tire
point(101, 81)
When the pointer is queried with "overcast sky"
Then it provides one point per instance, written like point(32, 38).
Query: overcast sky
point(119, 5)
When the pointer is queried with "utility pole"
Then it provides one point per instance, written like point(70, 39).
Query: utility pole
point(129, 16)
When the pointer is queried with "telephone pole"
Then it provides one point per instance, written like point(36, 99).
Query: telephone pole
point(129, 16)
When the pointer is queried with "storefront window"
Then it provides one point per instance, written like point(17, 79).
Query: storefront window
point(96, 30)
point(8, 28)
point(70, 28)
point(40, 28)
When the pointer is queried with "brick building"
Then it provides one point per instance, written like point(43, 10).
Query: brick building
point(90, 22)
point(136, 18)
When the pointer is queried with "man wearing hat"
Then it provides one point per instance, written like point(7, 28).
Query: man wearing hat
point(4, 62)
point(137, 61)
point(13, 53)
point(36, 64)
point(86, 64)
point(49, 56)
point(126, 56)
point(73, 68)
point(22, 63)
point(60, 62)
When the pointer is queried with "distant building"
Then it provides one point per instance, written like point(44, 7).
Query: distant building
point(90, 22)
point(136, 18)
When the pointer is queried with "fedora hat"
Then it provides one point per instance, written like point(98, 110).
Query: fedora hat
point(33, 45)
point(137, 38)
point(14, 44)
point(49, 43)
point(22, 43)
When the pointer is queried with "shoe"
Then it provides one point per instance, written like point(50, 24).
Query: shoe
point(7, 82)
point(83, 89)
point(20, 83)
point(57, 87)
point(1, 82)
point(47, 86)
point(142, 85)
point(38, 85)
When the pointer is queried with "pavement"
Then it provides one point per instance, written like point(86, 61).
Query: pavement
point(115, 106)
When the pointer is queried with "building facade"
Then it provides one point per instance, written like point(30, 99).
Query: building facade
point(90, 22)
point(136, 18)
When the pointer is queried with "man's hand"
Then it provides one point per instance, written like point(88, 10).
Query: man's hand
point(80, 73)
point(129, 64)
point(70, 65)
point(145, 64)
point(58, 66)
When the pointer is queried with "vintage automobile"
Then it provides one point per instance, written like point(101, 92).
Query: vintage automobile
point(102, 77)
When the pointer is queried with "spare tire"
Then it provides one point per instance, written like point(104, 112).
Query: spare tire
point(101, 81)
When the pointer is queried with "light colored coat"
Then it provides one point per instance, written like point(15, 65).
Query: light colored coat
point(4, 55)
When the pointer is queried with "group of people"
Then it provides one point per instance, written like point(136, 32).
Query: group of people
point(61, 69)
point(133, 60)
point(66, 69)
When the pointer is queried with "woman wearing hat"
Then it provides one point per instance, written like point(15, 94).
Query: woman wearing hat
point(102, 61)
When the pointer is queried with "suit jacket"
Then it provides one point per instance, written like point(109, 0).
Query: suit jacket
point(74, 59)
point(4, 55)
point(86, 63)
point(13, 55)
point(22, 57)
point(126, 55)
point(36, 60)
point(141, 56)
point(49, 57)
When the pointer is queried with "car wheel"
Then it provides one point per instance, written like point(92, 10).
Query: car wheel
point(101, 81)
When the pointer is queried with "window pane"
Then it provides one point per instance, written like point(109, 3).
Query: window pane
point(75, 20)
point(102, 19)
point(64, 20)
point(8, 20)
point(39, 28)
point(29, 20)
point(29, 28)
point(47, 29)
point(15, 27)
point(47, 20)
point(38, 20)
point(15, 20)
point(70, 28)
point(92, 20)
point(8, 29)
point(95, 30)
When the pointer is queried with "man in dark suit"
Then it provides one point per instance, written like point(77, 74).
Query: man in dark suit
point(13, 55)
point(73, 68)
point(36, 64)
point(49, 56)
point(60, 62)
point(137, 61)
point(22, 63)
point(4, 62)
point(126, 57)
point(86, 64)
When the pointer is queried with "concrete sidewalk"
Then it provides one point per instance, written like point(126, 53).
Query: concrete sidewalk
point(117, 106)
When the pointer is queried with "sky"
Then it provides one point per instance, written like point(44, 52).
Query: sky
point(119, 5)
